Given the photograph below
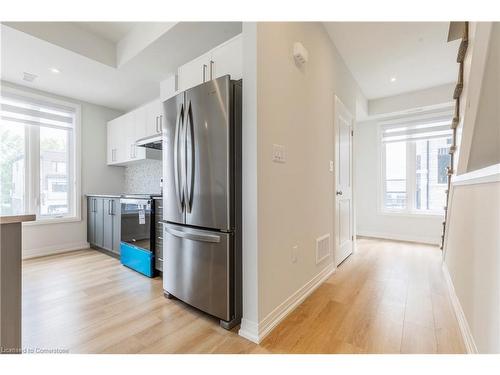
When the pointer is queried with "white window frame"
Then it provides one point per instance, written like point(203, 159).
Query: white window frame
point(410, 210)
point(32, 166)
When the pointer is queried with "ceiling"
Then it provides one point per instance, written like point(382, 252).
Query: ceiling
point(82, 77)
point(416, 54)
point(111, 31)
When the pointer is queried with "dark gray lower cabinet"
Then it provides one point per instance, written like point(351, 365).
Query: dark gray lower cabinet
point(103, 223)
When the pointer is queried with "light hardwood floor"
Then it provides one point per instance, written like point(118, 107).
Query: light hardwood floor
point(389, 297)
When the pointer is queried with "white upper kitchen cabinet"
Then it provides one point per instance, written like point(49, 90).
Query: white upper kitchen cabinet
point(130, 132)
point(228, 59)
point(123, 132)
point(140, 120)
point(114, 137)
point(154, 118)
point(194, 72)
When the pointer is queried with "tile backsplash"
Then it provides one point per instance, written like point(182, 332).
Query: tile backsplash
point(143, 177)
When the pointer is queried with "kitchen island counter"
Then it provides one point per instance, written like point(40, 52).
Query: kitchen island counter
point(10, 281)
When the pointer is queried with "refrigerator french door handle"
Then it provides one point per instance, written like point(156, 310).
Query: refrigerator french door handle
point(188, 129)
point(177, 177)
point(194, 235)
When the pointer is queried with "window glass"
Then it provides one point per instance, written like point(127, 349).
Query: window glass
point(431, 173)
point(37, 156)
point(12, 168)
point(395, 175)
point(54, 175)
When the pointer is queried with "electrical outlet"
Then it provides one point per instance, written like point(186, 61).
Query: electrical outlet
point(295, 250)
point(279, 153)
point(331, 165)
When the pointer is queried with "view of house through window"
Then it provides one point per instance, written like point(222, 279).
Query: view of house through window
point(37, 157)
point(54, 175)
point(415, 160)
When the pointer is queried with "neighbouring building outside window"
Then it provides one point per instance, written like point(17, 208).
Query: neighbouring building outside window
point(415, 157)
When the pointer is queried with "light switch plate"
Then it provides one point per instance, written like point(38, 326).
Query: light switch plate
point(279, 153)
point(331, 165)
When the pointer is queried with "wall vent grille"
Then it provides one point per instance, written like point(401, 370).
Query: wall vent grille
point(28, 77)
point(322, 248)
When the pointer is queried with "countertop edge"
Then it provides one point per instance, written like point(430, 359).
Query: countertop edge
point(16, 219)
point(104, 195)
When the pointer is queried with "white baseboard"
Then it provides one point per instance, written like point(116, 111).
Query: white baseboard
point(249, 330)
point(470, 345)
point(256, 332)
point(54, 249)
point(399, 237)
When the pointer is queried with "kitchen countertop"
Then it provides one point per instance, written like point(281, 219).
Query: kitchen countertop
point(105, 195)
point(16, 219)
point(123, 195)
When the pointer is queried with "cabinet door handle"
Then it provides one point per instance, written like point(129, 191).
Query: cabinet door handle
point(204, 72)
point(156, 123)
point(160, 124)
point(109, 207)
point(211, 69)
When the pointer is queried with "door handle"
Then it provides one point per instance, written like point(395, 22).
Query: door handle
point(109, 207)
point(204, 72)
point(177, 178)
point(189, 168)
point(195, 236)
point(160, 124)
point(339, 192)
point(156, 124)
point(211, 69)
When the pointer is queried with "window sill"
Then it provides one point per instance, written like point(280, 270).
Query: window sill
point(57, 220)
point(420, 215)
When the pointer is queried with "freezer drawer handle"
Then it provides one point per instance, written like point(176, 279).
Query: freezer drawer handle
point(194, 236)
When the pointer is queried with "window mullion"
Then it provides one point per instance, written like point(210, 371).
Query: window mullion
point(410, 176)
point(34, 152)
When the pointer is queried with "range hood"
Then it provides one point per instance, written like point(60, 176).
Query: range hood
point(153, 142)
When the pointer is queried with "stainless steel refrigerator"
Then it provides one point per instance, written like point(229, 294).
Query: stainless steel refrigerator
point(202, 198)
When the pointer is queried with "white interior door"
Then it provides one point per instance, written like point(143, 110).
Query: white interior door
point(343, 182)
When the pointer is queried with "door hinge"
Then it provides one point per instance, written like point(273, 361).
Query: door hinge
point(352, 238)
point(352, 133)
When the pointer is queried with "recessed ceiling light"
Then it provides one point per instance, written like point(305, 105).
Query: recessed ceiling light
point(55, 70)
point(393, 79)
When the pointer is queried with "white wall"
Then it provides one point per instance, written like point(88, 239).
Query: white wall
point(370, 221)
point(472, 256)
point(411, 100)
point(96, 177)
point(293, 201)
point(485, 147)
point(68, 35)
